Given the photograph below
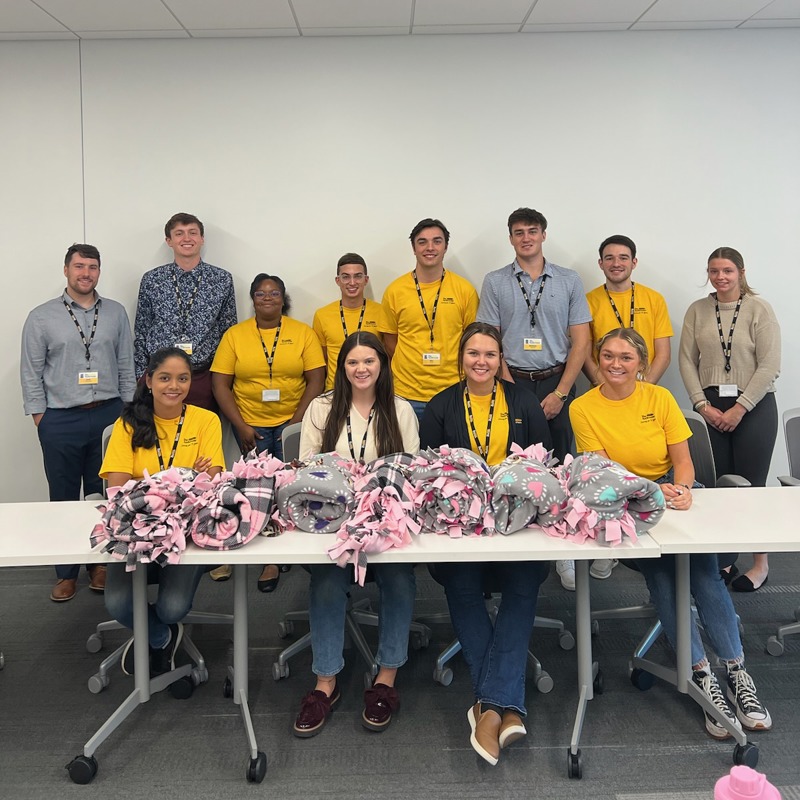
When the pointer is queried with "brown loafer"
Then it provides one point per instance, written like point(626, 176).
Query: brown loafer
point(315, 709)
point(380, 702)
point(63, 590)
point(97, 578)
point(485, 736)
point(511, 729)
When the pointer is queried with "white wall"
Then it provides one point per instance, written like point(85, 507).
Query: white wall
point(295, 151)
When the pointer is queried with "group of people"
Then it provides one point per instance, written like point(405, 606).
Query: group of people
point(434, 363)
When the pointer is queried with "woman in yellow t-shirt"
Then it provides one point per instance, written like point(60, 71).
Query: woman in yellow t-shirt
point(156, 431)
point(265, 373)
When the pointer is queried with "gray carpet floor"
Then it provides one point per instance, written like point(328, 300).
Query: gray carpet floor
point(636, 745)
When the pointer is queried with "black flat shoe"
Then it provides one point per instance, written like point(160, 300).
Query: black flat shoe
point(267, 585)
point(744, 584)
point(729, 574)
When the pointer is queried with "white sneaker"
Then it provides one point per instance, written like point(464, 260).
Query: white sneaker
point(751, 712)
point(707, 681)
point(601, 568)
point(566, 571)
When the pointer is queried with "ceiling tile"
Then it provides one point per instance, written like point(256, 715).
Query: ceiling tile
point(470, 12)
point(22, 15)
point(178, 33)
point(396, 30)
point(780, 9)
point(571, 11)
point(703, 10)
point(497, 28)
point(685, 25)
point(10, 36)
point(225, 14)
point(577, 27)
point(771, 23)
point(240, 33)
point(353, 13)
point(111, 15)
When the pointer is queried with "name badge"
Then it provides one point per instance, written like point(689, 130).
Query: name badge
point(530, 343)
point(87, 378)
point(728, 390)
point(185, 346)
point(431, 359)
point(270, 395)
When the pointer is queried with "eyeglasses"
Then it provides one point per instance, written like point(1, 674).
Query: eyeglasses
point(357, 278)
point(274, 294)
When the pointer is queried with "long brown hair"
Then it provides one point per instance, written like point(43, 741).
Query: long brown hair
point(388, 438)
point(736, 258)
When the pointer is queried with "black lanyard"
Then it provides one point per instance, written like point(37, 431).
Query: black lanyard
point(531, 308)
point(271, 355)
point(184, 313)
point(614, 307)
point(174, 444)
point(363, 441)
point(726, 349)
point(482, 452)
point(87, 343)
point(360, 318)
point(432, 321)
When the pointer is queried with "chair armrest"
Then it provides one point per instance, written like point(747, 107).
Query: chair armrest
point(788, 480)
point(732, 481)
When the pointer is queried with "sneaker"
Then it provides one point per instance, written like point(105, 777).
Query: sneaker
point(601, 568)
point(511, 729)
point(566, 571)
point(707, 681)
point(484, 738)
point(222, 573)
point(742, 693)
point(163, 659)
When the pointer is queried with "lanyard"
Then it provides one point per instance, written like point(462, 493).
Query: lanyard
point(363, 441)
point(184, 313)
point(174, 444)
point(531, 308)
point(726, 349)
point(271, 355)
point(432, 321)
point(483, 452)
point(614, 307)
point(360, 318)
point(87, 343)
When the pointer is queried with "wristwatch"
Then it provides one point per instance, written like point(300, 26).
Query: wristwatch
point(560, 395)
point(701, 404)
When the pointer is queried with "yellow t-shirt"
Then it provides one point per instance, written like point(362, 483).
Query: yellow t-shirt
point(650, 315)
point(201, 435)
point(327, 325)
point(241, 354)
point(458, 304)
point(498, 443)
point(634, 432)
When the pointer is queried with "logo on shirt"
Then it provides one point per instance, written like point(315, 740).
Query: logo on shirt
point(287, 340)
point(504, 415)
point(648, 417)
point(447, 300)
point(188, 441)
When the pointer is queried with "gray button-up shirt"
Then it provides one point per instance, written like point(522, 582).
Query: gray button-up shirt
point(563, 303)
point(53, 355)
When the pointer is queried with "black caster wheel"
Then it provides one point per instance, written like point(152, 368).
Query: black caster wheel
point(279, 671)
point(419, 641)
point(82, 769)
point(257, 768)
point(574, 767)
point(182, 688)
point(566, 641)
point(642, 679)
point(227, 688)
point(599, 683)
point(746, 755)
point(774, 646)
point(285, 567)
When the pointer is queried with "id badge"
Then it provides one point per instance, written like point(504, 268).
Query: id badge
point(87, 378)
point(431, 359)
point(529, 343)
point(728, 390)
point(185, 346)
point(270, 395)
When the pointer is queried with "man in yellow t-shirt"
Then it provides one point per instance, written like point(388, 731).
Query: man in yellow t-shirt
point(353, 312)
point(621, 303)
point(425, 313)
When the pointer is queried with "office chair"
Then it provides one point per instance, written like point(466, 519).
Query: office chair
point(791, 430)
point(359, 612)
point(705, 473)
point(182, 688)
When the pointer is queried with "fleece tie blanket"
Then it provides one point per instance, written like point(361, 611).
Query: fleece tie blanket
point(455, 492)
point(317, 497)
point(606, 501)
point(524, 490)
point(384, 515)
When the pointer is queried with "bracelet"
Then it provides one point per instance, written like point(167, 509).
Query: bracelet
point(701, 404)
point(685, 486)
point(560, 395)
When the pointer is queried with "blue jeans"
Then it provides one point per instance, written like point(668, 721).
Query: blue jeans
point(329, 587)
point(419, 408)
point(177, 584)
point(496, 654)
point(711, 598)
point(270, 439)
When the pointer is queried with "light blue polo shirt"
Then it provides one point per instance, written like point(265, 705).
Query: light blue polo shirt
point(563, 303)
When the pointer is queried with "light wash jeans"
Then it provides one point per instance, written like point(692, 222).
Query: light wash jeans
point(329, 587)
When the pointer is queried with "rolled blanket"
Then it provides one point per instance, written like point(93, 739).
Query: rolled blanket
point(606, 501)
point(318, 497)
point(455, 487)
point(385, 513)
point(524, 490)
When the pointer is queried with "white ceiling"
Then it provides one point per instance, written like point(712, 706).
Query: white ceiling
point(182, 19)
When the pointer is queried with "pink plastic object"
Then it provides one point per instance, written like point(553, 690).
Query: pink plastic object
point(744, 783)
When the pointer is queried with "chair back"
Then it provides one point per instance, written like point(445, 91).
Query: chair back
point(700, 449)
point(791, 430)
point(291, 441)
